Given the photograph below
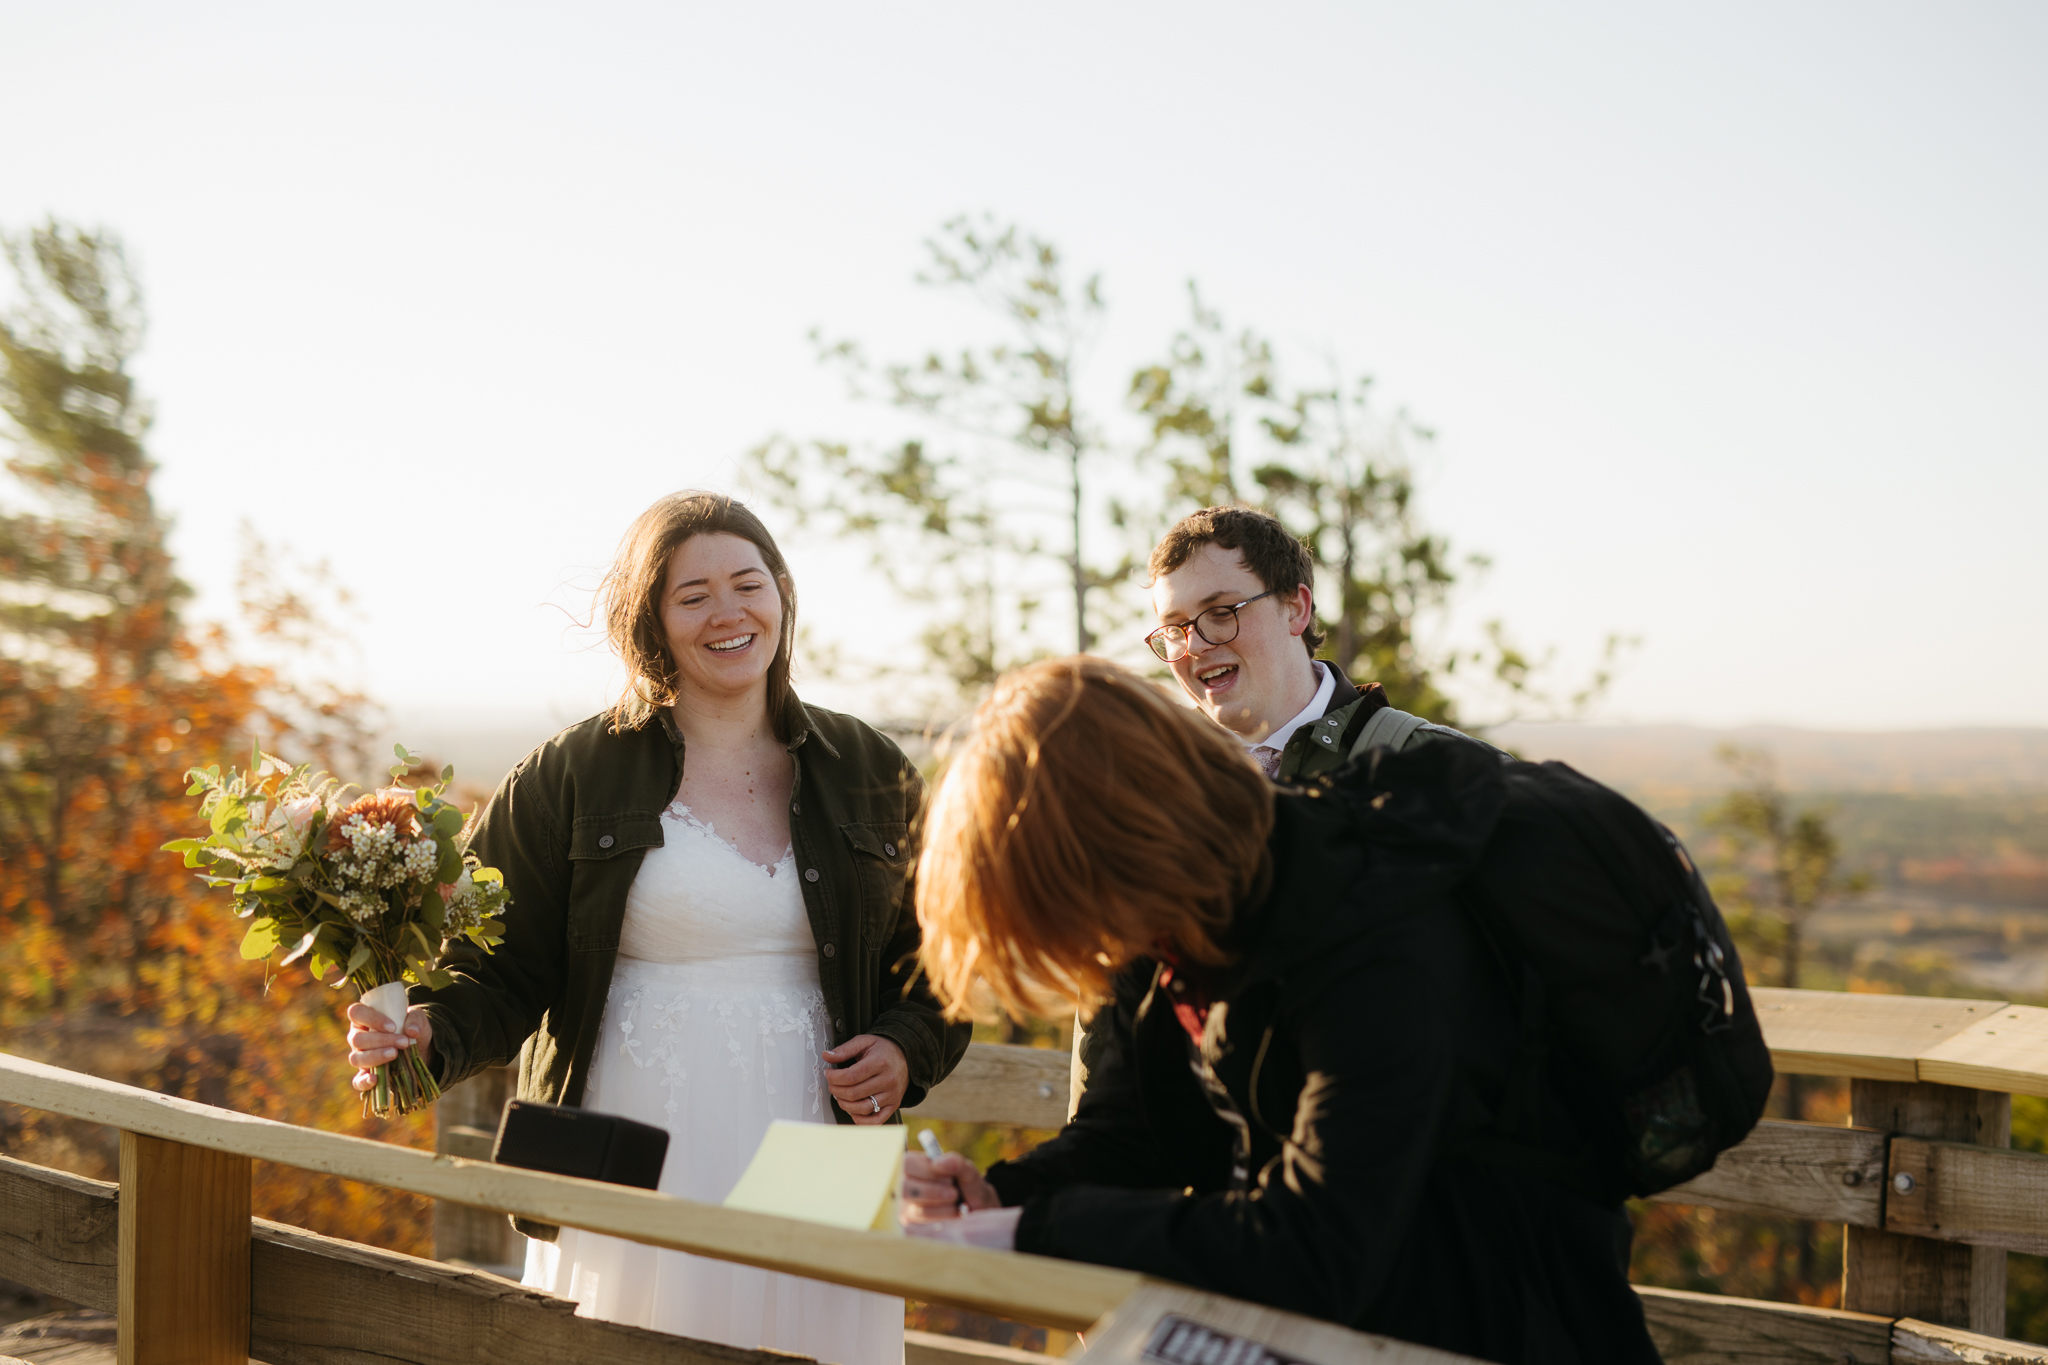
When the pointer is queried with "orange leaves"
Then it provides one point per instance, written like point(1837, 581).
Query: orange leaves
point(119, 962)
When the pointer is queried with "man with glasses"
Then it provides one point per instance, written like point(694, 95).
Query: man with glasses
point(1236, 610)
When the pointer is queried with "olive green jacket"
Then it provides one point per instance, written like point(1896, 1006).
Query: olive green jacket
point(568, 828)
point(1357, 719)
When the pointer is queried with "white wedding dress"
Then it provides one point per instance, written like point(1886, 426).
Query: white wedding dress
point(713, 1027)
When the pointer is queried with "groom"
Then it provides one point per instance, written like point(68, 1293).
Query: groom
point(1232, 591)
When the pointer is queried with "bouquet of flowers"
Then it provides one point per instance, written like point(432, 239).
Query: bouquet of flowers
point(365, 891)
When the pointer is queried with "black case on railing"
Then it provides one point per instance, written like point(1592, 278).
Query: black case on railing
point(568, 1141)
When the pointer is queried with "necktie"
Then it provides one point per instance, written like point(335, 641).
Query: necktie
point(1269, 759)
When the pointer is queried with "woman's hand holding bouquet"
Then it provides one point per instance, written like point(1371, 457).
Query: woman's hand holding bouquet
point(365, 891)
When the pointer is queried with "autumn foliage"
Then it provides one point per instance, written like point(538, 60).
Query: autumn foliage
point(118, 962)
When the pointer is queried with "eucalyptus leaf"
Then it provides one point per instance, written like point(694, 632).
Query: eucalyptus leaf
point(261, 940)
point(426, 943)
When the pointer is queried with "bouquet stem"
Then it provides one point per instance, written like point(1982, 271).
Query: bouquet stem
point(404, 1084)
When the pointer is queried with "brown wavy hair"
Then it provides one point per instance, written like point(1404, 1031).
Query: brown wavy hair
point(1087, 820)
point(1277, 558)
point(631, 594)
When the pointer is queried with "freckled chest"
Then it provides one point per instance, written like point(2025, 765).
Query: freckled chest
point(744, 794)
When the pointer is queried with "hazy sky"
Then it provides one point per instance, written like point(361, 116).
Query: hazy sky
point(1732, 319)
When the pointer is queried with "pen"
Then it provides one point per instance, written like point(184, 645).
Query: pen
point(929, 1143)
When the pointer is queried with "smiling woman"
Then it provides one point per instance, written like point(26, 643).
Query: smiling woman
point(686, 556)
point(708, 945)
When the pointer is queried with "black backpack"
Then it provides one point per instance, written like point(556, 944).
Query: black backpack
point(1629, 989)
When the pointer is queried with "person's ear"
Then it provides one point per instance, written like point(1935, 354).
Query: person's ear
point(1301, 610)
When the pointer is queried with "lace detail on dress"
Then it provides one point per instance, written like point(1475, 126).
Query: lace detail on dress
point(697, 898)
point(688, 818)
point(755, 1018)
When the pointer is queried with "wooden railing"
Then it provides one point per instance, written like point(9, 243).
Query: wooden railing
point(1922, 1178)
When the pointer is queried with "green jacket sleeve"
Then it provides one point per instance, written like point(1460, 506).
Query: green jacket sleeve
point(908, 1014)
point(499, 998)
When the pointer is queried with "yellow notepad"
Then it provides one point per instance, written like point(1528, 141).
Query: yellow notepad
point(846, 1176)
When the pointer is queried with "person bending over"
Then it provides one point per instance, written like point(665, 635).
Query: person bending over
point(1301, 1035)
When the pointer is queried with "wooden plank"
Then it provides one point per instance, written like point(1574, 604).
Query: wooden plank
point(183, 1280)
point(1925, 1343)
point(78, 1336)
point(322, 1301)
point(1959, 1192)
point(1034, 1289)
point(1796, 1170)
point(62, 1233)
point(1709, 1329)
point(1002, 1083)
point(930, 1348)
point(2008, 1051)
point(1875, 1037)
point(1917, 1277)
point(308, 1291)
point(466, 1125)
point(1182, 1326)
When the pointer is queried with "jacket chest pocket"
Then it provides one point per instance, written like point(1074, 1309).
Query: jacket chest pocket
point(881, 866)
point(604, 857)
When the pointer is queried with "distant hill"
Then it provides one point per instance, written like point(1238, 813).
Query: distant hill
point(1663, 763)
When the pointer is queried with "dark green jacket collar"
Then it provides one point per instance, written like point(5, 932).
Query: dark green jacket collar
point(1324, 746)
point(796, 720)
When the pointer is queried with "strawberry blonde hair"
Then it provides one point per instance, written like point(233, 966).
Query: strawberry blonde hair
point(1087, 820)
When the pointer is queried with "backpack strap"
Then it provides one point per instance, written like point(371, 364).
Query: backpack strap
point(1387, 728)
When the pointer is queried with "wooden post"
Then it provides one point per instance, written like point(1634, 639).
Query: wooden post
point(1917, 1277)
point(466, 1125)
point(184, 1260)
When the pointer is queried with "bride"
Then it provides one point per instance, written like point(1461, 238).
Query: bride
point(703, 945)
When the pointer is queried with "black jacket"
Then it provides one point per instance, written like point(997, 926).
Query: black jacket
point(1308, 1154)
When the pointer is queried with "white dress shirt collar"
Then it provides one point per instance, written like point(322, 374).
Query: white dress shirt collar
point(1277, 741)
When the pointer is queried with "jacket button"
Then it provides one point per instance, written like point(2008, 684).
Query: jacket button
point(810, 874)
point(829, 950)
point(796, 808)
point(889, 849)
point(606, 841)
point(839, 1025)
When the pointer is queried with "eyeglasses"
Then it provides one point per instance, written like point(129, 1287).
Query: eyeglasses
point(1217, 625)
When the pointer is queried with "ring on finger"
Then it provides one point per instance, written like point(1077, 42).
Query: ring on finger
point(874, 1105)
